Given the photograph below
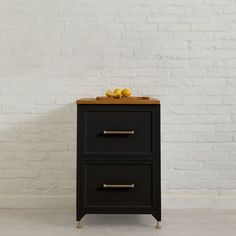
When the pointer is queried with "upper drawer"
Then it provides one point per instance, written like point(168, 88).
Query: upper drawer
point(118, 130)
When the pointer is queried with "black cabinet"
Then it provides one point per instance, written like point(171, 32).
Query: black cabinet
point(118, 159)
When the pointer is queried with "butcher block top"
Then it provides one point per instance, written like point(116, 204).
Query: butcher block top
point(110, 100)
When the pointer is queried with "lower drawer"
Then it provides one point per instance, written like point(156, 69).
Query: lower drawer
point(126, 185)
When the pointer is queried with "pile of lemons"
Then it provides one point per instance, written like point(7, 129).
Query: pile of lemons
point(118, 93)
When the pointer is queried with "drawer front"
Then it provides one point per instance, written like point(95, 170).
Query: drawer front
point(118, 131)
point(115, 185)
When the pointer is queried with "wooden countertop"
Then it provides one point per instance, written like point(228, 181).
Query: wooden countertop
point(117, 101)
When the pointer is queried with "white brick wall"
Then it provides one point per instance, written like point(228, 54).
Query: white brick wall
point(54, 51)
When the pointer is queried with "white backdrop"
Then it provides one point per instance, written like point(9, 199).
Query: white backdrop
point(55, 51)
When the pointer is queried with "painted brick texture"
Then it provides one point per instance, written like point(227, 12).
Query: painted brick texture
point(180, 51)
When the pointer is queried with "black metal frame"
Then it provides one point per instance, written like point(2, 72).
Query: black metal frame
point(153, 159)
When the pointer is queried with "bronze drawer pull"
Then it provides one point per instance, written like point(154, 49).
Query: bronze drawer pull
point(118, 185)
point(118, 132)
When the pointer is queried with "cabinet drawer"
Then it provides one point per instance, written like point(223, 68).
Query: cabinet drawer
point(117, 185)
point(118, 131)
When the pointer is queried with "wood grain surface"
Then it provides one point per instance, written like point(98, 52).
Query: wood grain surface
point(129, 100)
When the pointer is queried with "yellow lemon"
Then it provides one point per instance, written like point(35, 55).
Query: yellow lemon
point(117, 95)
point(117, 90)
point(126, 92)
point(109, 93)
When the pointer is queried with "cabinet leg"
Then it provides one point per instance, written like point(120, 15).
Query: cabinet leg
point(158, 226)
point(79, 225)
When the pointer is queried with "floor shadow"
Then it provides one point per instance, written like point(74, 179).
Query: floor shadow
point(119, 219)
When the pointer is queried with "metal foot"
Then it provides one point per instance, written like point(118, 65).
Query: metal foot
point(158, 225)
point(79, 226)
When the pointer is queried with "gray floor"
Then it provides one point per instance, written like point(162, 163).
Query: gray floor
point(57, 222)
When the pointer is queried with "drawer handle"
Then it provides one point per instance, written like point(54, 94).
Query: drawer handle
point(118, 185)
point(118, 132)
